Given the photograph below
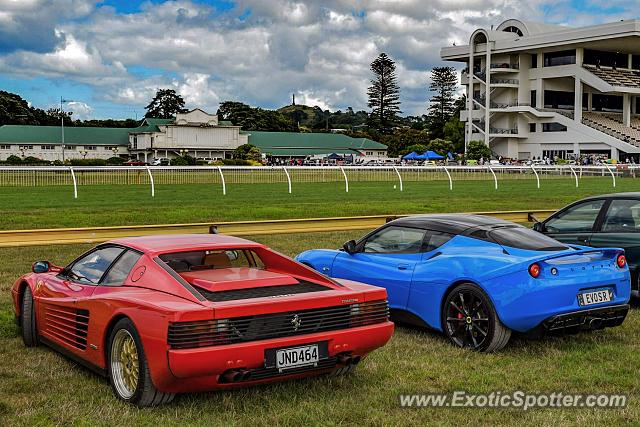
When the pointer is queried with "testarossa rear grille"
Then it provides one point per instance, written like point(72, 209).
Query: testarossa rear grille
point(302, 287)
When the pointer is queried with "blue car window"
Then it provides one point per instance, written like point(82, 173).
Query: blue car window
point(525, 238)
point(434, 239)
point(623, 216)
point(395, 240)
point(576, 219)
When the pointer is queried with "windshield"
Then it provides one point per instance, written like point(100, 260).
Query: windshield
point(524, 238)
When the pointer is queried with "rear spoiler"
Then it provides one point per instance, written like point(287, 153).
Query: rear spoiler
point(612, 251)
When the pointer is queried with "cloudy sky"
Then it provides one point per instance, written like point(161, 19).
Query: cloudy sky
point(109, 57)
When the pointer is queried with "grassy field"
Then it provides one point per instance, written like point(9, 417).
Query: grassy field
point(45, 207)
point(40, 387)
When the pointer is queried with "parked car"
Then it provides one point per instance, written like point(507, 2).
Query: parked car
point(134, 162)
point(600, 221)
point(161, 315)
point(478, 278)
point(162, 161)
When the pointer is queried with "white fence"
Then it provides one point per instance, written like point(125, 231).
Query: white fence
point(292, 175)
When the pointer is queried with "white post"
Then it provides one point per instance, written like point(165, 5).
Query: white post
point(346, 181)
point(612, 175)
point(288, 177)
point(399, 177)
point(449, 175)
point(495, 178)
point(153, 189)
point(535, 172)
point(224, 185)
point(75, 183)
point(575, 175)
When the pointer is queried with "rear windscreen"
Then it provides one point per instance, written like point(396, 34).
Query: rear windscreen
point(524, 238)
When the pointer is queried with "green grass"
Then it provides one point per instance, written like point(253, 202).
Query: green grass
point(40, 387)
point(51, 207)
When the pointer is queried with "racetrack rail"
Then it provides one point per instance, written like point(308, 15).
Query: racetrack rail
point(59, 236)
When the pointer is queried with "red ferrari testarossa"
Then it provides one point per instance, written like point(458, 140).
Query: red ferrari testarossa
point(180, 313)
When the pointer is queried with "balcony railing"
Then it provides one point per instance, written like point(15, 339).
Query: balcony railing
point(505, 65)
point(503, 131)
point(510, 104)
point(505, 81)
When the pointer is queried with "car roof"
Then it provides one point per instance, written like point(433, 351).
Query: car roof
point(632, 195)
point(183, 242)
point(452, 223)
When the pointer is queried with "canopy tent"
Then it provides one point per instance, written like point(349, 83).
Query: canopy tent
point(430, 155)
point(334, 156)
point(411, 156)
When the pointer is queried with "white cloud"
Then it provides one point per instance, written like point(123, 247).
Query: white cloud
point(80, 110)
point(319, 50)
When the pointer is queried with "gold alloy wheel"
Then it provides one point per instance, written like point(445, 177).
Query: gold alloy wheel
point(125, 367)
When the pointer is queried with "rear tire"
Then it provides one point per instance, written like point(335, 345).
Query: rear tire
point(470, 321)
point(28, 319)
point(128, 370)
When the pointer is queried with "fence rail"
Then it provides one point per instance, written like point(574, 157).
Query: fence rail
point(62, 236)
point(228, 175)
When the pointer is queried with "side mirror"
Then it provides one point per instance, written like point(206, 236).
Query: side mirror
point(539, 227)
point(40, 267)
point(350, 247)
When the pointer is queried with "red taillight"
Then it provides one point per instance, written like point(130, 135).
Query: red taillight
point(534, 270)
point(621, 261)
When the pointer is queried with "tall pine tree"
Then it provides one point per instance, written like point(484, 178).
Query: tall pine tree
point(384, 93)
point(444, 81)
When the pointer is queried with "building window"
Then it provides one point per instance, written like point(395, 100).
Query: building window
point(70, 147)
point(534, 96)
point(564, 57)
point(607, 59)
point(369, 153)
point(5, 147)
point(26, 147)
point(532, 127)
point(90, 147)
point(47, 147)
point(553, 127)
point(534, 60)
point(559, 100)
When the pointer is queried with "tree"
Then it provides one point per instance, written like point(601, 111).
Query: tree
point(454, 132)
point(415, 148)
point(13, 160)
point(441, 146)
point(477, 150)
point(400, 139)
point(257, 119)
point(384, 93)
point(247, 152)
point(165, 105)
point(443, 82)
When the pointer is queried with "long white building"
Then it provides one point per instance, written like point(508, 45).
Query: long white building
point(543, 90)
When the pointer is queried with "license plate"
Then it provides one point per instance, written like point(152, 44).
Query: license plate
point(297, 356)
point(596, 297)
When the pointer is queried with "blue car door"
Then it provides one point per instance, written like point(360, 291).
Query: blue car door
point(385, 258)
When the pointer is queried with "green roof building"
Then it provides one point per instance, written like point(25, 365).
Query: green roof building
point(196, 133)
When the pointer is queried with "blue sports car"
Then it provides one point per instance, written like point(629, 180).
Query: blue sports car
point(478, 278)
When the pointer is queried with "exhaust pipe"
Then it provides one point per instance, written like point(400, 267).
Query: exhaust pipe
point(231, 376)
point(355, 360)
point(596, 323)
point(245, 375)
point(344, 359)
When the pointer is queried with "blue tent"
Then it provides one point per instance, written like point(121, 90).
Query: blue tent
point(412, 156)
point(430, 155)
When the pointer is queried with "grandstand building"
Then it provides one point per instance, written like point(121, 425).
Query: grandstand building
point(538, 90)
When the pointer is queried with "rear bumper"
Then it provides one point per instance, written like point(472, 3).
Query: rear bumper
point(595, 318)
point(203, 368)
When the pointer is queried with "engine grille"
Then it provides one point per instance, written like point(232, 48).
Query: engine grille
point(276, 325)
point(68, 325)
point(267, 291)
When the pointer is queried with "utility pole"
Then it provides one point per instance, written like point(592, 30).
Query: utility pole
point(62, 126)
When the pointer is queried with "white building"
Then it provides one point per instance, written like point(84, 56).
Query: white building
point(544, 90)
point(196, 133)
